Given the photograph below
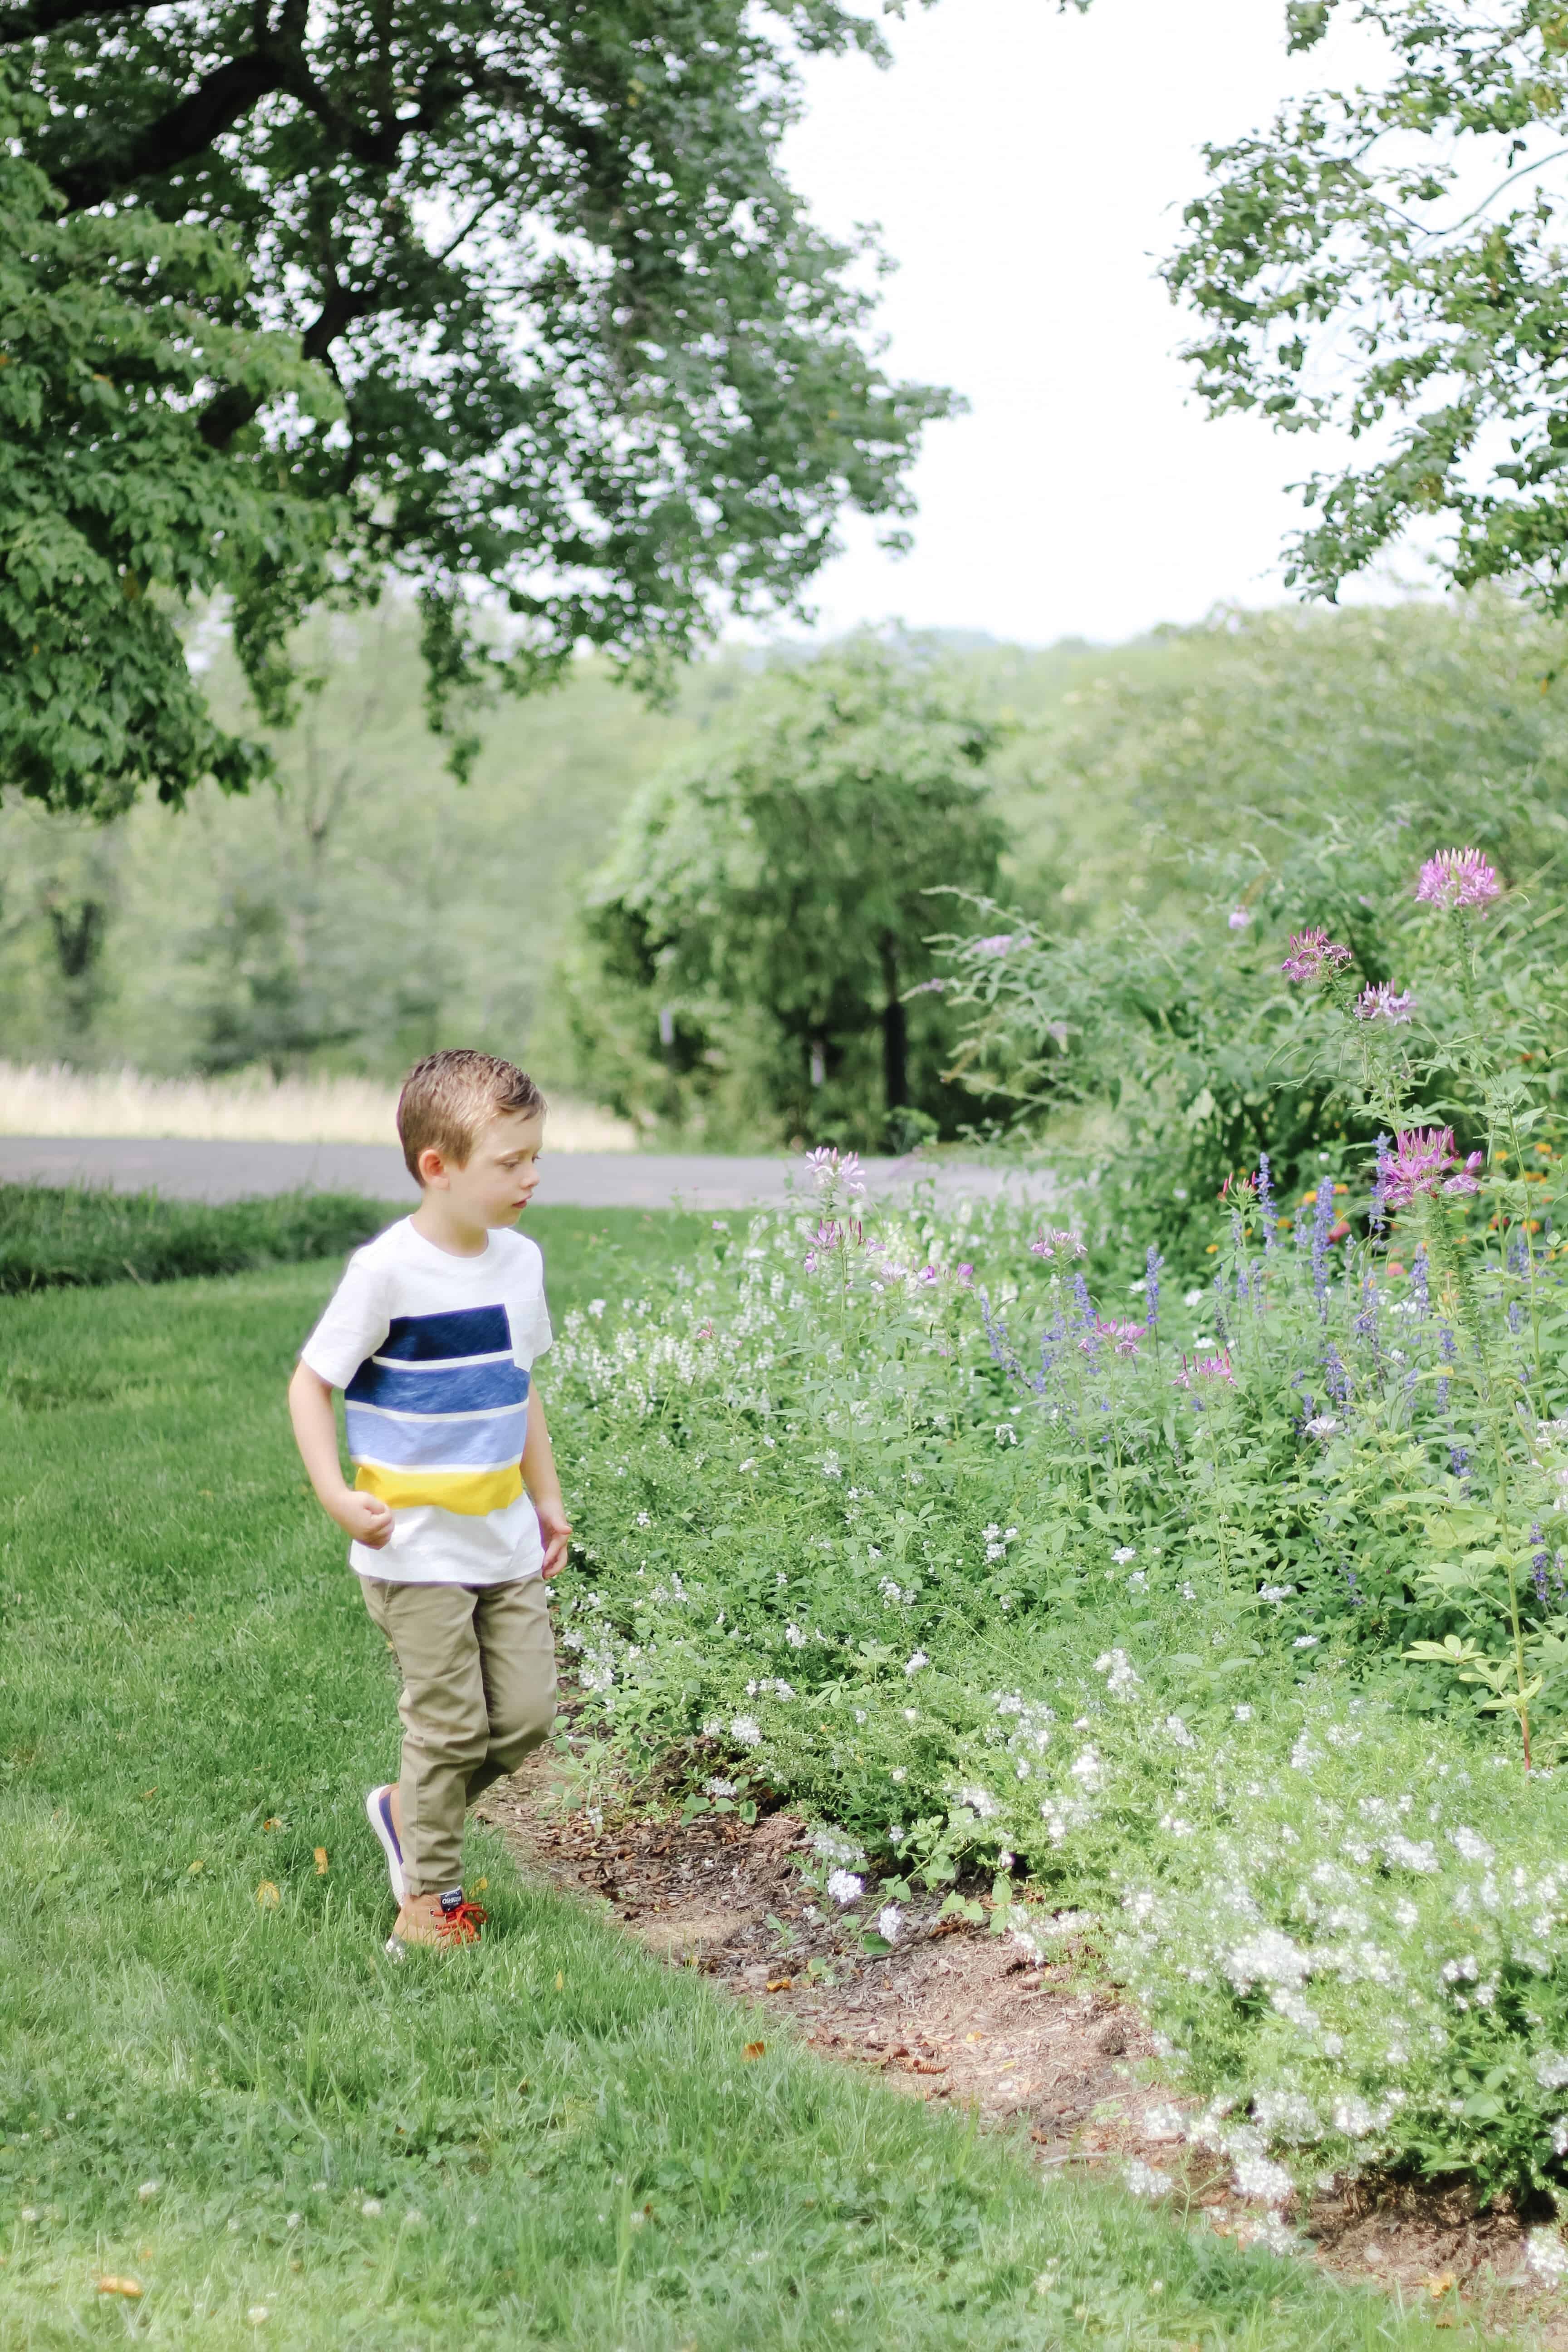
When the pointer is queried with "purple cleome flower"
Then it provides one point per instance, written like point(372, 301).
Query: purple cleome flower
point(1049, 1243)
point(1458, 878)
point(1205, 1368)
point(832, 1170)
point(1313, 953)
point(1123, 1336)
point(1240, 919)
point(1420, 1163)
point(1384, 1003)
point(997, 943)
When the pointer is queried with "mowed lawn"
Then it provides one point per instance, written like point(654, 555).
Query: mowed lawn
point(214, 2087)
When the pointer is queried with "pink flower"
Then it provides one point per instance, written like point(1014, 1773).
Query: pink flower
point(1049, 1243)
point(996, 943)
point(1458, 878)
point(1312, 953)
point(1383, 1003)
point(1420, 1163)
point(1123, 1336)
point(1240, 919)
point(1206, 1368)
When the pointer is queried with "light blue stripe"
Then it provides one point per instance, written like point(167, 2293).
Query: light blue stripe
point(485, 1442)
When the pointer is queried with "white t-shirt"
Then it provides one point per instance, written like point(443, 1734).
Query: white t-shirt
point(432, 1353)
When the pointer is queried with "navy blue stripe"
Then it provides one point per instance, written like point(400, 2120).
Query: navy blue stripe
point(464, 1331)
point(489, 1444)
point(461, 1387)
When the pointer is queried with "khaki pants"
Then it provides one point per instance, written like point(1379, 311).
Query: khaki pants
point(479, 1695)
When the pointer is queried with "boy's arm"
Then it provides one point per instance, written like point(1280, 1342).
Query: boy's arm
point(364, 1517)
point(539, 1476)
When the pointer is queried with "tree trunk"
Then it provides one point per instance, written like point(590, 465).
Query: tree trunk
point(894, 1031)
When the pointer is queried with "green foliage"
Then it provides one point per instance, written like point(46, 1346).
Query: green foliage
point(65, 1236)
point(594, 360)
point(557, 2144)
point(1387, 257)
point(763, 925)
point(366, 898)
point(111, 329)
point(1189, 1035)
point(1204, 738)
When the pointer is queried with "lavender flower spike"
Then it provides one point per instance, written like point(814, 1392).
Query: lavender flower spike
point(1312, 954)
point(1266, 1200)
point(1383, 1003)
point(1457, 879)
point(1152, 1262)
point(1322, 1218)
point(1379, 1218)
point(1420, 1282)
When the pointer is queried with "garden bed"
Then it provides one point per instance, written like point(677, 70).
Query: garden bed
point(956, 2016)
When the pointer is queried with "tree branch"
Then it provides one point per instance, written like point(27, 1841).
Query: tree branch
point(216, 105)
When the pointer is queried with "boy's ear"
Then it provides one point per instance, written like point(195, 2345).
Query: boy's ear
point(432, 1167)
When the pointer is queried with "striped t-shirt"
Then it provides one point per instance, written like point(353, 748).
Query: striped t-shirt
point(433, 1355)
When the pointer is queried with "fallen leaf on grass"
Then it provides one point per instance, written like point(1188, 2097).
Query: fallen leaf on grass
point(559, 1980)
point(127, 2286)
point(274, 1822)
point(191, 1868)
point(753, 2049)
point(266, 1895)
point(1441, 2282)
point(780, 1984)
point(321, 1862)
point(922, 2066)
point(480, 1885)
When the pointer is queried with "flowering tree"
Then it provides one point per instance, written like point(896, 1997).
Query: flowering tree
point(769, 908)
point(1388, 258)
point(597, 368)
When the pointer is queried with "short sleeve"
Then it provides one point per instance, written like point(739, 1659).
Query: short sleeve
point(533, 1334)
point(353, 1327)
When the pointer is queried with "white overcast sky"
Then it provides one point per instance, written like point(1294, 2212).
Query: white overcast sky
point(1027, 169)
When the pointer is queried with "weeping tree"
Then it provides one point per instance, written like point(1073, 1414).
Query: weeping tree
point(506, 297)
point(763, 931)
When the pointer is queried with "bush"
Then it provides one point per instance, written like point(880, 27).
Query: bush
point(74, 1235)
point(1204, 1054)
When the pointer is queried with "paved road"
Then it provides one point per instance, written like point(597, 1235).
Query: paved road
point(585, 1180)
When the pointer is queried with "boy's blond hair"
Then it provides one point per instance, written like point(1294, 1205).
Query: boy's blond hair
point(448, 1097)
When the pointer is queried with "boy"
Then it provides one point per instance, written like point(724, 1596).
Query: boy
point(456, 1511)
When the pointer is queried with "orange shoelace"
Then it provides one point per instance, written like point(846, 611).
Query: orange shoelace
point(462, 1925)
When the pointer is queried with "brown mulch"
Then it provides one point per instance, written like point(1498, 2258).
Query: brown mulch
point(954, 2014)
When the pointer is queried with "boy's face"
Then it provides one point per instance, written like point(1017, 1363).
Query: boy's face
point(502, 1171)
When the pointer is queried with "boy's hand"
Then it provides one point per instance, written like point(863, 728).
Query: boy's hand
point(555, 1528)
point(364, 1517)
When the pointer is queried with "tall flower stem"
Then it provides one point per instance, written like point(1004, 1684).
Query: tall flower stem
point(1456, 1280)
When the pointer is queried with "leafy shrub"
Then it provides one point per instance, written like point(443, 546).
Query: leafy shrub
point(73, 1235)
point(1202, 1050)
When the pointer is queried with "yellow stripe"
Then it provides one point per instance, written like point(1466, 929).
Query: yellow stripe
point(474, 1493)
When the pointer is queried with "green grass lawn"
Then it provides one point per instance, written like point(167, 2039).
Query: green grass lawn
point(241, 2105)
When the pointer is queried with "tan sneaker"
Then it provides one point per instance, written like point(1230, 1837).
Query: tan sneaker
point(443, 1919)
